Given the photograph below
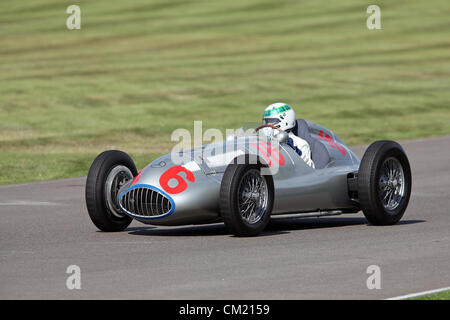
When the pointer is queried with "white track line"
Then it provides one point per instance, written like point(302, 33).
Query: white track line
point(418, 294)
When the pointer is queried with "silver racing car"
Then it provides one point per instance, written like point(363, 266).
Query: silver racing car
point(246, 180)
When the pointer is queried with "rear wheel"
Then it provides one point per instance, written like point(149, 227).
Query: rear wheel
point(246, 199)
point(384, 182)
point(108, 173)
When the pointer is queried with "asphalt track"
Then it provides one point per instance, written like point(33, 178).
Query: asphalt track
point(45, 228)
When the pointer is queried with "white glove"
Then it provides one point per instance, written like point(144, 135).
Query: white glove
point(268, 132)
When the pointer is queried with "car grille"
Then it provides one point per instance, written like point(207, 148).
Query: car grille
point(145, 202)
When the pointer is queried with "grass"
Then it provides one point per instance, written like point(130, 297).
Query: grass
point(139, 69)
point(435, 296)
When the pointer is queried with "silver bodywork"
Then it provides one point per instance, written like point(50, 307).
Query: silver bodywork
point(298, 188)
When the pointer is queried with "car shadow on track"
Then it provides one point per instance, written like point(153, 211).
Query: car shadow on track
point(217, 229)
point(321, 223)
point(275, 227)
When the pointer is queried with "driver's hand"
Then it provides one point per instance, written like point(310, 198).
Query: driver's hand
point(268, 132)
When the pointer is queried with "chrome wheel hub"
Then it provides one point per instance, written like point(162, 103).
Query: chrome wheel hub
point(117, 177)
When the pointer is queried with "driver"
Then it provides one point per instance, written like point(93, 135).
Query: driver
point(282, 116)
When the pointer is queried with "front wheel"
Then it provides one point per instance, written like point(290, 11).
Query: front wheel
point(246, 199)
point(108, 173)
point(384, 182)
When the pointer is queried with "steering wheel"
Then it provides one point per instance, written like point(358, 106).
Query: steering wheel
point(268, 126)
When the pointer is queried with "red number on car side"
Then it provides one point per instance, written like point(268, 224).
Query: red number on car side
point(269, 153)
point(331, 142)
point(173, 173)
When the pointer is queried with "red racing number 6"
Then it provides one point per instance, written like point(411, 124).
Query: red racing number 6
point(173, 173)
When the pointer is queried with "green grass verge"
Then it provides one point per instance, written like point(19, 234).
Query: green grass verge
point(139, 69)
point(436, 296)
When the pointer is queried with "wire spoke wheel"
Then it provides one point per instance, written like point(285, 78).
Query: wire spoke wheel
point(391, 183)
point(384, 182)
point(253, 196)
point(246, 198)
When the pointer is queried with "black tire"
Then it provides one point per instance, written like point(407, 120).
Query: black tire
point(96, 204)
point(369, 192)
point(229, 205)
